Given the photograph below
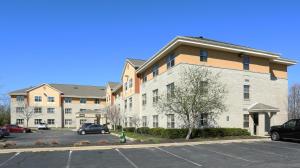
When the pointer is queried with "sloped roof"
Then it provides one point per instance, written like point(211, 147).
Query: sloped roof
point(71, 90)
point(113, 85)
point(136, 62)
point(260, 107)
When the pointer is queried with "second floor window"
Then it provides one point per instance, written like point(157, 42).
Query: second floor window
point(68, 110)
point(20, 98)
point(68, 100)
point(203, 55)
point(125, 85)
point(50, 99)
point(125, 104)
point(246, 62)
point(170, 61)
point(155, 96)
point(155, 70)
point(38, 110)
point(37, 98)
point(82, 110)
point(19, 109)
point(170, 90)
point(144, 99)
point(97, 101)
point(50, 110)
point(246, 92)
point(130, 83)
point(82, 100)
point(204, 87)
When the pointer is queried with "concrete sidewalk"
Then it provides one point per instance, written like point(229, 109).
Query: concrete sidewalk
point(132, 146)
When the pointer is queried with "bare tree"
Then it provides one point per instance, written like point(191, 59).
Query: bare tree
point(136, 121)
point(4, 110)
point(26, 112)
point(197, 92)
point(294, 102)
point(114, 115)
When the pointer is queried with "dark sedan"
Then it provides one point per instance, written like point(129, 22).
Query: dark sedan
point(93, 129)
point(289, 130)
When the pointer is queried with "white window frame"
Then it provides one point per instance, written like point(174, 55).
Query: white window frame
point(155, 121)
point(170, 61)
point(50, 110)
point(51, 99)
point(37, 98)
point(51, 121)
point(170, 121)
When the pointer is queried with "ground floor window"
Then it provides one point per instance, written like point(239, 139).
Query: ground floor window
point(203, 120)
point(50, 121)
point(246, 120)
point(37, 121)
point(82, 121)
point(130, 121)
point(144, 119)
point(20, 121)
point(155, 121)
point(170, 121)
point(125, 122)
point(68, 122)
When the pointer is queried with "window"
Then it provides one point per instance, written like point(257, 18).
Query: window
point(82, 100)
point(82, 110)
point(130, 102)
point(20, 121)
point(50, 110)
point(37, 121)
point(170, 121)
point(130, 83)
point(68, 122)
point(38, 110)
point(227, 118)
point(246, 120)
point(203, 55)
point(20, 98)
point(126, 122)
point(170, 90)
point(204, 87)
point(82, 121)
point(155, 96)
point(170, 61)
point(144, 78)
point(68, 100)
point(97, 101)
point(144, 121)
point(246, 62)
point(50, 122)
point(125, 85)
point(144, 99)
point(246, 92)
point(203, 120)
point(37, 98)
point(19, 109)
point(50, 99)
point(155, 70)
point(155, 121)
point(125, 104)
point(130, 121)
point(68, 110)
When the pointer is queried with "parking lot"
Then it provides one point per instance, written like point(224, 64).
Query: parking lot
point(62, 137)
point(234, 155)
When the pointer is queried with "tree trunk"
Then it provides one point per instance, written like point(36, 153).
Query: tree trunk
point(188, 136)
point(27, 123)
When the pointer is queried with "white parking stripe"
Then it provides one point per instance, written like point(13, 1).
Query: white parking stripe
point(125, 157)
point(262, 151)
point(187, 160)
point(225, 154)
point(15, 155)
point(69, 159)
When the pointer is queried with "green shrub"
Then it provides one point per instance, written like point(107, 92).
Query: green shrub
point(174, 133)
point(143, 130)
point(156, 131)
point(129, 129)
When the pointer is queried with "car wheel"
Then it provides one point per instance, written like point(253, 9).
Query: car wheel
point(102, 132)
point(275, 136)
point(82, 132)
point(24, 131)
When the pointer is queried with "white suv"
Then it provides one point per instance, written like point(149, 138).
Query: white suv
point(42, 126)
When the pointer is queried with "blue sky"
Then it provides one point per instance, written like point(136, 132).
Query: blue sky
point(86, 42)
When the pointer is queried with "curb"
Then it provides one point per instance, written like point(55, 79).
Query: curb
point(135, 146)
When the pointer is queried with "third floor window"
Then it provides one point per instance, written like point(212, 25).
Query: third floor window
point(170, 61)
point(155, 70)
point(246, 62)
point(82, 100)
point(203, 55)
point(20, 98)
point(68, 100)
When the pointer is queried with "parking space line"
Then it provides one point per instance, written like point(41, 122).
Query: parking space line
point(225, 154)
point(125, 157)
point(267, 152)
point(187, 160)
point(11, 158)
point(69, 159)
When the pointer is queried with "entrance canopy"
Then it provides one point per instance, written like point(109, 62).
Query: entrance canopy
point(260, 107)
